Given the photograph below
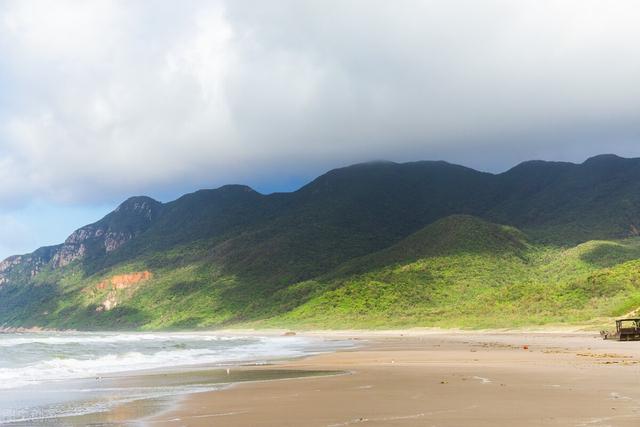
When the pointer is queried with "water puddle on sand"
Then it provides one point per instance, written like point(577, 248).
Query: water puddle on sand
point(120, 399)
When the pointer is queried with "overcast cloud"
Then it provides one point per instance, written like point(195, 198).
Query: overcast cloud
point(103, 99)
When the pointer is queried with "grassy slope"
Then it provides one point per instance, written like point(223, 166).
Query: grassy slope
point(482, 276)
point(459, 271)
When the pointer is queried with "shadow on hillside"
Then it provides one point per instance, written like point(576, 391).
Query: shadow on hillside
point(30, 302)
point(185, 287)
point(121, 317)
point(188, 323)
point(608, 254)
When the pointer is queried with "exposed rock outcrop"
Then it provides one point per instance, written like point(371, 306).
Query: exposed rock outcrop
point(133, 217)
point(124, 281)
point(115, 286)
point(26, 266)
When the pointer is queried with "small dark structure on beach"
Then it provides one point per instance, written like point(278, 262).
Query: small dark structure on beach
point(626, 330)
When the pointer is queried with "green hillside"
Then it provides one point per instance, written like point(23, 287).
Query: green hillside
point(491, 277)
point(371, 245)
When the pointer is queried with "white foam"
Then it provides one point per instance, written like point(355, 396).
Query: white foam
point(65, 339)
point(257, 350)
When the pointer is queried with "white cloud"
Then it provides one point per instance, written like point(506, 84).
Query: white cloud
point(116, 97)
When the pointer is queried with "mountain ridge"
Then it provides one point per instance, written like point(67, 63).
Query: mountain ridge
point(243, 246)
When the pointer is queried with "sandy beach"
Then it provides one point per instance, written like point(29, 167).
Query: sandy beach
point(437, 379)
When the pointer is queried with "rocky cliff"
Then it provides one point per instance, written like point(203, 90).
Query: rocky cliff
point(130, 219)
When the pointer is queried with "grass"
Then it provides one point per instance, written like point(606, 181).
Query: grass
point(457, 272)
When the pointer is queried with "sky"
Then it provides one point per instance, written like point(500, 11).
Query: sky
point(102, 100)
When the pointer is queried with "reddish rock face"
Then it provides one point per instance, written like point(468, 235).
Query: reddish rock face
point(120, 282)
point(124, 281)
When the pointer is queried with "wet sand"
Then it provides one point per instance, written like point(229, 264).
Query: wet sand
point(197, 379)
point(437, 379)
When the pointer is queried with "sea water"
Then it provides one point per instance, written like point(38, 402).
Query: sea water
point(54, 376)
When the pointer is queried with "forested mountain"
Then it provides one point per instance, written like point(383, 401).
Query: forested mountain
point(374, 244)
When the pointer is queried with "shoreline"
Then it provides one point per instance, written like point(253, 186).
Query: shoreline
point(282, 331)
point(414, 377)
point(376, 371)
point(78, 379)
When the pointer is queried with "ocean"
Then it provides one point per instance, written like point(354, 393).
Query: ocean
point(51, 378)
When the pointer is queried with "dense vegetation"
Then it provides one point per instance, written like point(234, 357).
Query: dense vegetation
point(372, 245)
